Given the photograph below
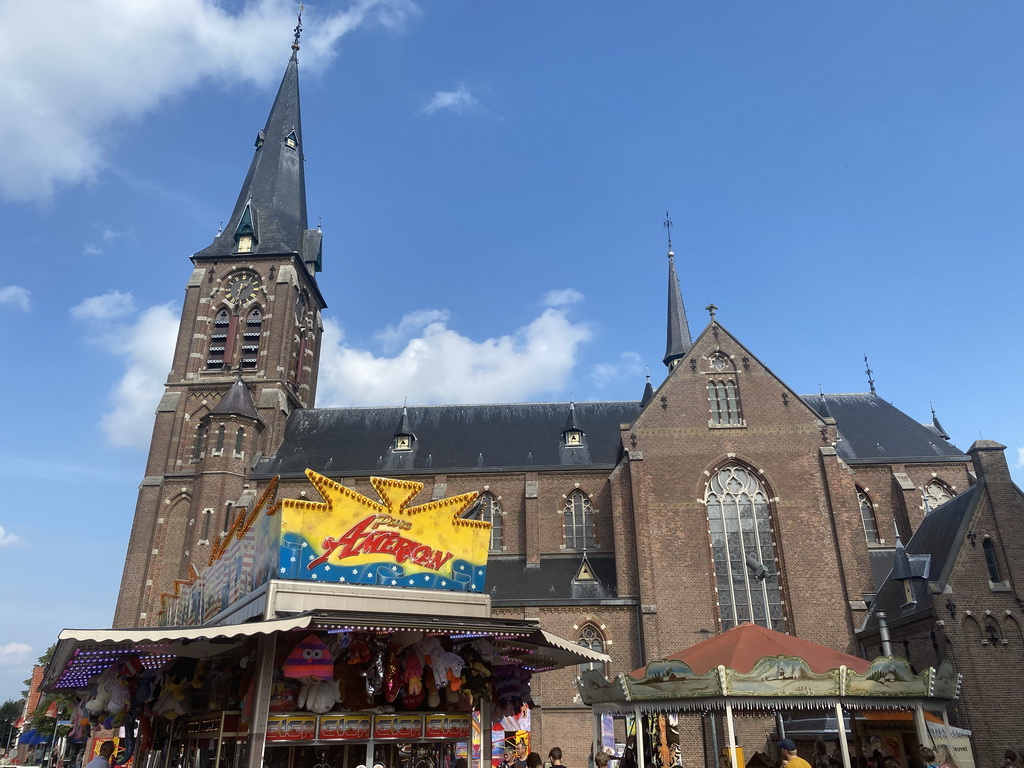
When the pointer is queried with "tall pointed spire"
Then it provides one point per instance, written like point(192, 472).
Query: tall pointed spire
point(269, 217)
point(679, 341)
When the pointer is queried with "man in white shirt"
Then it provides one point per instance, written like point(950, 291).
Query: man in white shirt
point(102, 760)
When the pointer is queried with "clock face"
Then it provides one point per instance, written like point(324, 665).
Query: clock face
point(241, 288)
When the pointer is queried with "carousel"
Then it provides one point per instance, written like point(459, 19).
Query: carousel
point(754, 670)
point(346, 633)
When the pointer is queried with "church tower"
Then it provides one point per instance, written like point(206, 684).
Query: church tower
point(246, 356)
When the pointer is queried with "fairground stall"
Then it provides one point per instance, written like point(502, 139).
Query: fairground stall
point(322, 635)
point(753, 670)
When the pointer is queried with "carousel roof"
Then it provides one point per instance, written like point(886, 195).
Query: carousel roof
point(740, 648)
point(751, 667)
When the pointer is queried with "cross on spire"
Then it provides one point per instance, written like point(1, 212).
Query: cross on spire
point(667, 224)
point(868, 371)
point(712, 308)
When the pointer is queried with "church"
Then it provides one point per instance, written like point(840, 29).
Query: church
point(720, 496)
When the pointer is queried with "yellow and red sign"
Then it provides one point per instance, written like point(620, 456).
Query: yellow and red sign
point(356, 727)
point(352, 539)
point(398, 727)
point(441, 725)
point(291, 728)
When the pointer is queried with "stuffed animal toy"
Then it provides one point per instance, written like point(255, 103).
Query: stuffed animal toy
point(433, 696)
point(171, 702)
point(119, 695)
point(318, 696)
point(311, 660)
point(359, 649)
point(392, 673)
point(97, 703)
point(374, 675)
point(414, 693)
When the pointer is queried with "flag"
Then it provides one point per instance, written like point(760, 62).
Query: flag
point(52, 711)
point(19, 722)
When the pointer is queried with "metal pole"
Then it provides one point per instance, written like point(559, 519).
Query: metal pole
point(485, 734)
point(732, 735)
point(841, 727)
point(714, 740)
point(261, 685)
point(883, 633)
point(639, 726)
point(923, 737)
point(595, 734)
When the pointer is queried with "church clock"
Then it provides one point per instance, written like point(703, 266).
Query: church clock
point(242, 287)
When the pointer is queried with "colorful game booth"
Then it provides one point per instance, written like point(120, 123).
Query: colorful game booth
point(346, 633)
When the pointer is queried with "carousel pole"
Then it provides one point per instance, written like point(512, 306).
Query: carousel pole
point(923, 737)
point(733, 757)
point(595, 734)
point(841, 728)
point(638, 724)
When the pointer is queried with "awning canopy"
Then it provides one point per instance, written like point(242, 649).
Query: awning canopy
point(83, 653)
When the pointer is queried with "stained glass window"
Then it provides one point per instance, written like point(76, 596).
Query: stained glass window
point(724, 401)
point(743, 549)
point(490, 511)
point(936, 493)
point(591, 639)
point(579, 521)
point(867, 516)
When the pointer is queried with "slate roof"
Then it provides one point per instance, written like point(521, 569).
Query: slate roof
point(940, 536)
point(510, 581)
point(237, 401)
point(275, 185)
point(678, 341)
point(873, 431)
point(458, 438)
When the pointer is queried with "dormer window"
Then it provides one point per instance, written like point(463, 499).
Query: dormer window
point(403, 443)
point(245, 232)
point(291, 141)
point(573, 437)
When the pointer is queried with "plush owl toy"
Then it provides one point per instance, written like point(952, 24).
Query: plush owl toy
point(311, 660)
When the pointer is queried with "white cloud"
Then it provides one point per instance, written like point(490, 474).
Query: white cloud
point(73, 75)
point(146, 342)
point(15, 296)
point(414, 322)
point(562, 297)
point(7, 539)
point(443, 366)
point(109, 306)
point(457, 101)
point(91, 250)
point(629, 366)
point(14, 653)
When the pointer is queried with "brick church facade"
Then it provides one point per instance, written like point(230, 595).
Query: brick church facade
point(638, 527)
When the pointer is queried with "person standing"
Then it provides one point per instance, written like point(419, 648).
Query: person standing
point(790, 758)
point(102, 760)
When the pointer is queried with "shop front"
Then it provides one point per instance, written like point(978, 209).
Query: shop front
point(335, 635)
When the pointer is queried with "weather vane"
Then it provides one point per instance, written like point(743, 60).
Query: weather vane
point(667, 224)
point(868, 371)
point(298, 28)
point(711, 308)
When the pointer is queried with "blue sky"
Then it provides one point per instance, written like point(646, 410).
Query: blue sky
point(844, 178)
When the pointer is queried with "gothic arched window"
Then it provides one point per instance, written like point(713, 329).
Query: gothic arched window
point(990, 560)
point(197, 448)
point(578, 523)
point(220, 341)
point(490, 511)
point(251, 337)
point(743, 549)
point(867, 516)
point(239, 441)
point(724, 401)
point(221, 430)
point(591, 639)
point(936, 493)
